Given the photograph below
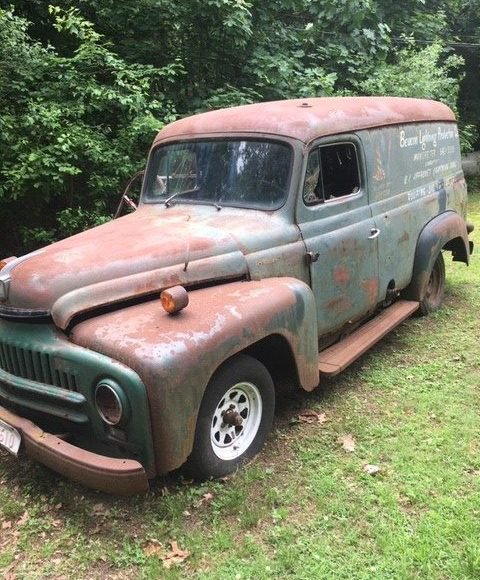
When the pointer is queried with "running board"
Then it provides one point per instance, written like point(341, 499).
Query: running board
point(335, 358)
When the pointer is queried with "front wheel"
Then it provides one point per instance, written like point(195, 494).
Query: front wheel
point(435, 290)
point(234, 420)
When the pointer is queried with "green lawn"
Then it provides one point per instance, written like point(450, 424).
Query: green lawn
point(305, 508)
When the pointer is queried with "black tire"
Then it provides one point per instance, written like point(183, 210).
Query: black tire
point(203, 462)
point(435, 290)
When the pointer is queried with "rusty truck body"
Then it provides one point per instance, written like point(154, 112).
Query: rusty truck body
point(286, 238)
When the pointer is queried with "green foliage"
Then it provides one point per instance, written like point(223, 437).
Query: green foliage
point(229, 96)
point(73, 128)
point(468, 134)
point(426, 73)
point(432, 72)
point(84, 85)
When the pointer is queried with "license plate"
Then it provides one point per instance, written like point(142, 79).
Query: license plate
point(10, 438)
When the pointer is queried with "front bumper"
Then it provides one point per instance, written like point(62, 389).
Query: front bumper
point(117, 476)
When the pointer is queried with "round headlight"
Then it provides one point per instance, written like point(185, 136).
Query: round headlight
point(110, 405)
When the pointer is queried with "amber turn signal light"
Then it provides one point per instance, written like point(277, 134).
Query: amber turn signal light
point(174, 299)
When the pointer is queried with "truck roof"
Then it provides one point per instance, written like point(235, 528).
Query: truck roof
point(309, 118)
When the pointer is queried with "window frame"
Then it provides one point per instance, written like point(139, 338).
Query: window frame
point(335, 200)
point(259, 137)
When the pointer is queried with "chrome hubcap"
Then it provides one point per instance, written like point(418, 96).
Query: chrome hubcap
point(236, 420)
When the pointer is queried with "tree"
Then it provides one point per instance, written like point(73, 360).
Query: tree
point(84, 85)
point(73, 128)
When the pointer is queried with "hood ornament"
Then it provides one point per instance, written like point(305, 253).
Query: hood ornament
point(8, 265)
point(5, 278)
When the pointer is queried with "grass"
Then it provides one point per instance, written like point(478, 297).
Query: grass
point(305, 508)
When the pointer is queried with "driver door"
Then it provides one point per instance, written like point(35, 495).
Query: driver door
point(339, 232)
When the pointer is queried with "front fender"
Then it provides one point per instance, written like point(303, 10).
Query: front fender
point(446, 228)
point(176, 355)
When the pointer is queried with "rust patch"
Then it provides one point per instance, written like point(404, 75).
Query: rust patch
point(379, 174)
point(404, 238)
point(370, 286)
point(341, 275)
point(144, 252)
point(339, 304)
point(324, 116)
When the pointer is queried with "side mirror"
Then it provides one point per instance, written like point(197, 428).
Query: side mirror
point(126, 198)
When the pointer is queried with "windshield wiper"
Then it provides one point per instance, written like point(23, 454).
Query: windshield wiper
point(174, 195)
point(169, 199)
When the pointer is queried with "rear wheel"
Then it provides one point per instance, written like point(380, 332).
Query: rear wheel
point(435, 290)
point(234, 420)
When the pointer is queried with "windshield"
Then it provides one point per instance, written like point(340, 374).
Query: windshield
point(246, 173)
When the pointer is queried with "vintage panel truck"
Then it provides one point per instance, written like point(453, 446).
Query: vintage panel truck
point(272, 241)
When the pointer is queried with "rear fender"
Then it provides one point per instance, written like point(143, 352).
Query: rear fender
point(176, 355)
point(446, 231)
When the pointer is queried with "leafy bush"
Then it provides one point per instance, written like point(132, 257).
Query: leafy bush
point(426, 73)
point(431, 73)
point(74, 127)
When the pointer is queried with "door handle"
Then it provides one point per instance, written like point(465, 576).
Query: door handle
point(374, 232)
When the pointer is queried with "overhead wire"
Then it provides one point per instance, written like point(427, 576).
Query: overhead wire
point(452, 43)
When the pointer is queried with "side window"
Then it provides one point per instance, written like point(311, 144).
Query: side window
point(312, 189)
point(332, 172)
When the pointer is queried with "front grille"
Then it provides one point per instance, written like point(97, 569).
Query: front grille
point(35, 365)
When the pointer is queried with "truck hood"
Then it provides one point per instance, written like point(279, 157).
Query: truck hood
point(151, 249)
